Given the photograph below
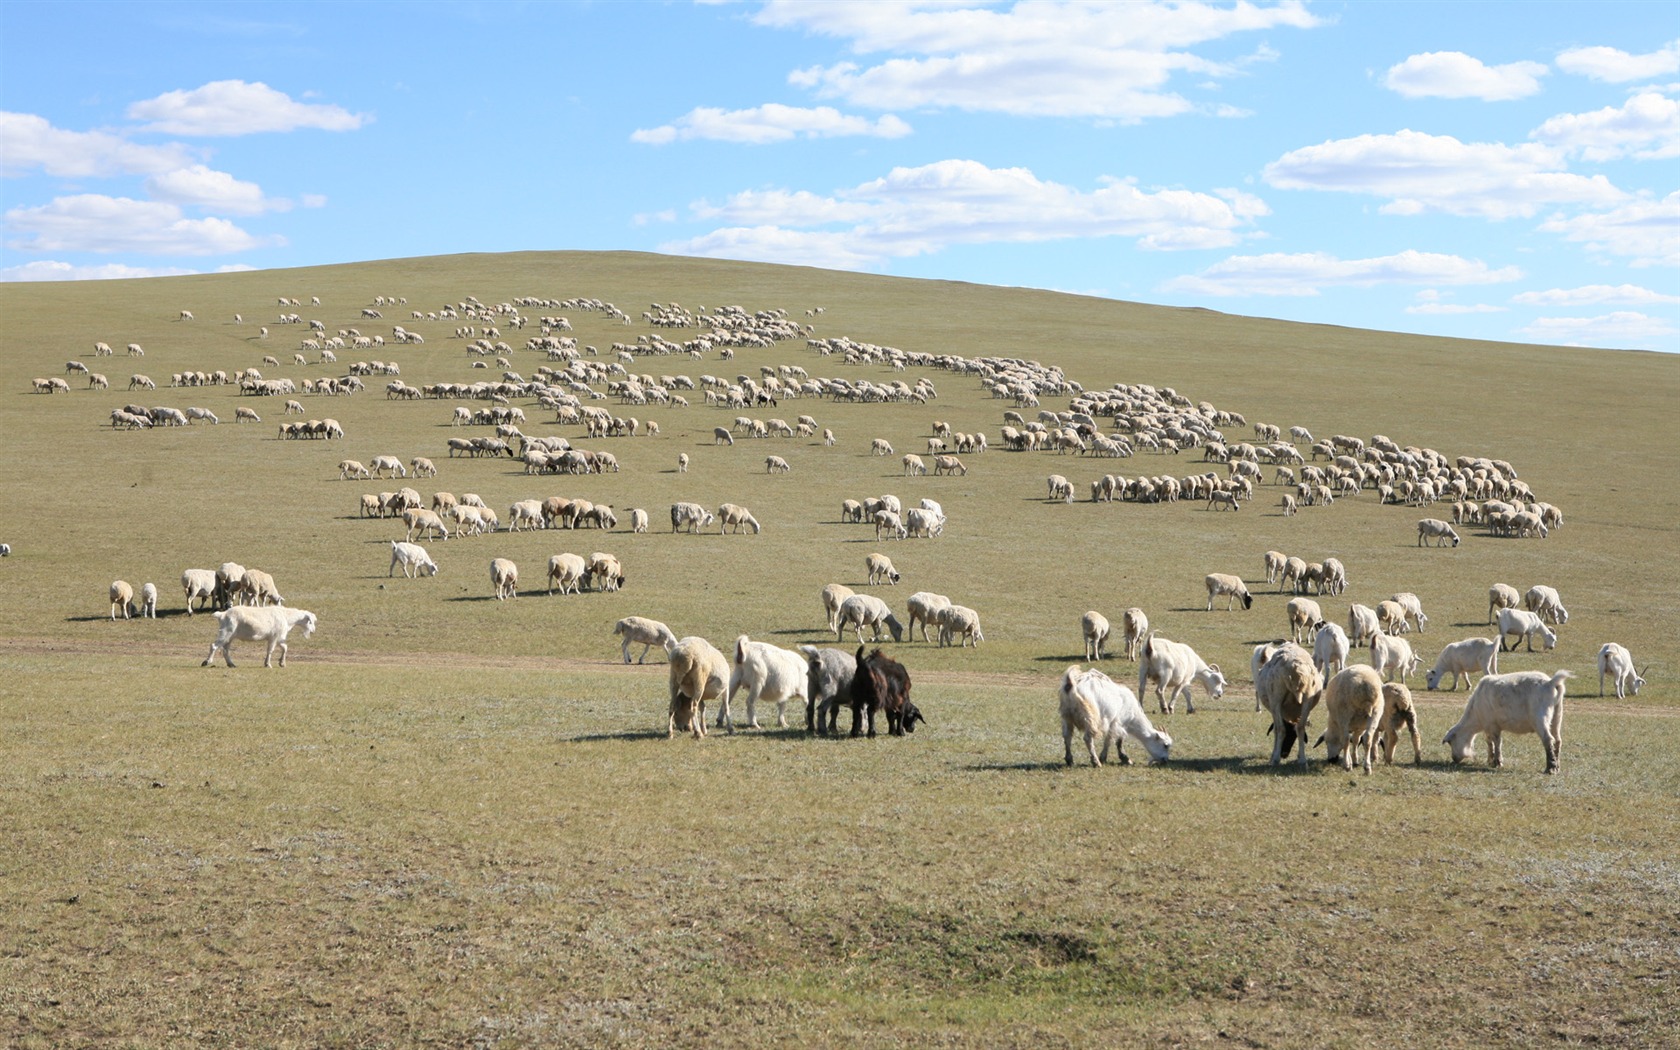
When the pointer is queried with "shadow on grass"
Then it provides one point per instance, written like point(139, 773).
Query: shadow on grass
point(628, 734)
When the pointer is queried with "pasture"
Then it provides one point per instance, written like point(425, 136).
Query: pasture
point(458, 821)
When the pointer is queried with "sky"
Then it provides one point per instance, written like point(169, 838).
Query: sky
point(1505, 171)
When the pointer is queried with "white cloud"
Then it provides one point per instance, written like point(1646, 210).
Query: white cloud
point(1594, 294)
point(1110, 61)
point(922, 210)
point(1624, 328)
point(235, 107)
point(94, 223)
point(47, 270)
point(29, 142)
point(1646, 230)
point(1424, 173)
point(1454, 308)
point(1454, 74)
point(1306, 273)
point(770, 122)
point(1616, 66)
point(213, 191)
point(1646, 126)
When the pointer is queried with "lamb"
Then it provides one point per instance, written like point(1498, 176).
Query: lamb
point(1391, 655)
point(1060, 488)
point(413, 559)
point(504, 576)
point(1135, 626)
point(1462, 658)
point(1353, 705)
point(1220, 583)
point(122, 597)
point(1413, 607)
point(698, 673)
point(1391, 615)
point(962, 623)
point(198, 584)
point(832, 596)
point(913, 465)
point(1330, 648)
point(1435, 529)
point(828, 684)
point(257, 587)
point(866, 610)
point(649, 633)
point(1288, 685)
point(1303, 613)
point(881, 570)
point(269, 624)
point(148, 600)
point(1524, 625)
point(1545, 602)
point(767, 672)
point(1399, 713)
point(927, 607)
point(638, 520)
point(1617, 662)
point(350, 468)
point(730, 514)
point(568, 571)
point(1362, 623)
point(880, 447)
point(605, 572)
point(1100, 708)
point(1093, 627)
point(1175, 667)
point(1524, 702)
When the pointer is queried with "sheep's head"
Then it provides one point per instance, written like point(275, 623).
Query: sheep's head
point(1550, 636)
point(1247, 600)
point(308, 624)
point(1433, 680)
point(911, 715)
point(1159, 746)
point(1214, 679)
point(1461, 742)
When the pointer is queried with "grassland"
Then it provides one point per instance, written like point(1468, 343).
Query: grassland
point(454, 821)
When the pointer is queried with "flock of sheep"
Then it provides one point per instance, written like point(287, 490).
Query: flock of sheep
point(1364, 704)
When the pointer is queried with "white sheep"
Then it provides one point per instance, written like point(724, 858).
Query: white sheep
point(1525, 625)
point(766, 672)
point(698, 673)
point(866, 610)
point(198, 584)
point(122, 598)
point(833, 595)
point(605, 572)
point(1134, 625)
point(1413, 606)
point(567, 571)
point(1362, 623)
point(1219, 583)
point(1303, 613)
point(961, 623)
point(504, 577)
point(649, 633)
point(1524, 702)
point(269, 624)
point(889, 523)
point(775, 465)
point(732, 515)
point(926, 607)
point(1353, 705)
point(1174, 667)
point(1100, 708)
point(413, 559)
point(1545, 602)
point(1274, 562)
point(638, 520)
point(881, 570)
point(1463, 658)
point(1392, 655)
point(1287, 685)
point(148, 600)
point(1399, 713)
point(1330, 648)
point(1437, 530)
point(881, 447)
point(1060, 488)
point(1093, 628)
point(1615, 660)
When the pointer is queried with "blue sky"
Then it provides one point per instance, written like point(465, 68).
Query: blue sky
point(1497, 170)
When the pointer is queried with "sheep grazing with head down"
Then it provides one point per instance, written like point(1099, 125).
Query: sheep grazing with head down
point(1288, 686)
point(148, 600)
point(1353, 704)
point(882, 684)
point(1100, 708)
point(1399, 713)
point(1093, 627)
point(1615, 660)
point(648, 633)
point(866, 610)
point(1524, 702)
point(698, 673)
point(122, 598)
point(1219, 583)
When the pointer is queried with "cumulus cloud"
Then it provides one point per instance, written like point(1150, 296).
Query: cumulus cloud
point(1624, 328)
point(235, 107)
point(1645, 127)
point(1419, 173)
point(211, 190)
point(1454, 74)
point(1306, 273)
point(1615, 66)
point(922, 210)
point(1648, 231)
point(96, 223)
point(770, 122)
point(30, 143)
point(1036, 59)
point(1594, 294)
point(48, 270)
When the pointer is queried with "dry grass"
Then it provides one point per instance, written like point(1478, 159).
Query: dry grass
point(453, 821)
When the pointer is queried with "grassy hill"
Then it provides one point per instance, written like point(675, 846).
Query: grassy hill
point(457, 820)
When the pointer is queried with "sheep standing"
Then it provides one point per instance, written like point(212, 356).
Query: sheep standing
point(1391, 655)
point(1524, 702)
point(1100, 708)
point(1093, 628)
point(148, 600)
point(866, 610)
point(698, 673)
point(1303, 613)
point(766, 672)
point(881, 570)
point(270, 624)
point(833, 595)
point(961, 623)
point(1219, 583)
point(828, 685)
point(649, 633)
point(1462, 658)
point(1330, 648)
point(1523, 624)
point(413, 558)
point(928, 608)
point(1614, 660)
point(1399, 713)
point(199, 584)
point(1353, 704)
point(1544, 602)
point(1135, 626)
point(122, 598)
point(1501, 596)
point(568, 572)
point(1362, 624)
point(1288, 685)
point(504, 577)
point(1175, 667)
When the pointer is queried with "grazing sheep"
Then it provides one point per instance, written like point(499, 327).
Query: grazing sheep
point(1523, 625)
point(1303, 613)
point(833, 595)
point(1462, 658)
point(776, 465)
point(722, 436)
point(257, 587)
point(148, 600)
point(269, 624)
point(1524, 702)
point(1221, 583)
point(1391, 616)
point(698, 673)
point(424, 522)
point(568, 571)
point(1093, 627)
point(1335, 576)
point(1353, 706)
point(350, 468)
point(1615, 660)
point(880, 447)
point(1274, 562)
point(828, 685)
point(1545, 602)
point(1437, 530)
point(1289, 577)
point(928, 608)
point(1362, 623)
point(1391, 655)
point(1399, 713)
point(413, 559)
point(605, 572)
point(1060, 488)
point(1330, 648)
point(689, 517)
point(122, 597)
point(882, 684)
point(1135, 626)
point(959, 622)
point(888, 522)
point(638, 520)
point(851, 511)
point(881, 570)
point(649, 633)
point(923, 523)
point(1413, 606)
point(1288, 685)
point(732, 515)
point(1098, 707)
point(1174, 667)
point(504, 576)
point(913, 465)
point(866, 610)
point(198, 584)
point(766, 672)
